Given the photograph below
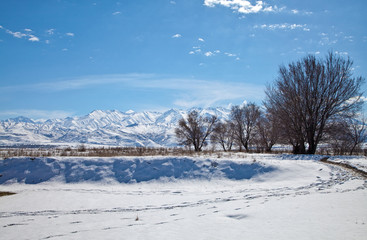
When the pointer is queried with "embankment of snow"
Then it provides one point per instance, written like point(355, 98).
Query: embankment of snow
point(125, 170)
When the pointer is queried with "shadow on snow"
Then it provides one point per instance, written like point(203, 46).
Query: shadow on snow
point(33, 171)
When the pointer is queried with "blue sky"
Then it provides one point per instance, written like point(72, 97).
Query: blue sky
point(62, 58)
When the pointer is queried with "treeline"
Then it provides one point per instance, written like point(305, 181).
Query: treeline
point(84, 151)
point(313, 101)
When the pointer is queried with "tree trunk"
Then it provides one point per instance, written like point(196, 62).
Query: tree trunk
point(299, 148)
point(311, 147)
point(246, 146)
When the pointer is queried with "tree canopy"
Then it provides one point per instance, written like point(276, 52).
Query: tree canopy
point(308, 94)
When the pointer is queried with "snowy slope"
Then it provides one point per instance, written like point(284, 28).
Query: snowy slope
point(250, 197)
point(151, 129)
point(124, 170)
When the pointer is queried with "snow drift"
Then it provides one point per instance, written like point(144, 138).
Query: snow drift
point(124, 170)
point(279, 197)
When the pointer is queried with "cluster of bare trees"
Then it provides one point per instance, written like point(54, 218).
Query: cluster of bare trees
point(247, 127)
point(312, 101)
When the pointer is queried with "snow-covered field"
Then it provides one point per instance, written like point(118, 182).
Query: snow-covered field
point(242, 197)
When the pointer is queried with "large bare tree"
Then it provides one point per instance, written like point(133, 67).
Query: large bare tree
point(223, 134)
point(244, 120)
point(309, 93)
point(268, 132)
point(195, 130)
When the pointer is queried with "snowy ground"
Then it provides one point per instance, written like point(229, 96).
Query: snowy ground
point(250, 197)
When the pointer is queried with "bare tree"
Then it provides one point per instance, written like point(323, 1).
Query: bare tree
point(195, 130)
point(268, 132)
point(357, 133)
point(244, 121)
point(346, 134)
point(310, 92)
point(238, 121)
point(223, 134)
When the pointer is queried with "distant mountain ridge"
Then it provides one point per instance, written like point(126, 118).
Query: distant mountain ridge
point(101, 127)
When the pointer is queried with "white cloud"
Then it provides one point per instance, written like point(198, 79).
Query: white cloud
point(209, 54)
point(116, 13)
point(201, 40)
point(349, 38)
point(295, 11)
point(172, 2)
point(177, 35)
point(243, 6)
point(30, 37)
point(230, 54)
point(342, 53)
point(16, 34)
point(269, 9)
point(212, 53)
point(283, 26)
point(33, 38)
point(70, 34)
point(50, 31)
point(327, 41)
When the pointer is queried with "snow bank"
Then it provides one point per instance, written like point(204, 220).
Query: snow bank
point(359, 162)
point(286, 197)
point(125, 170)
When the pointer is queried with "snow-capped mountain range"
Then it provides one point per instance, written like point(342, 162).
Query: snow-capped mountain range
point(110, 128)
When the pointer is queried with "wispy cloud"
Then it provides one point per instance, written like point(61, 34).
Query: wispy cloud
point(50, 31)
point(230, 54)
point(70, 34)
point(36, 113)
point(212, 93)
point(201, 40)
point(27, 34)
point(283, 26)
point(16, 34)
point(33, 38)
point(177, 35)
point(298, 12)
point(211, 53)
point(188, 92)
point(116, 13)
point(208, 54)
point(243, 6)
point(206, 93)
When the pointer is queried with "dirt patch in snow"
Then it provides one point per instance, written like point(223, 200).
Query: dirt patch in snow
point(346, 166)
point(2, 194)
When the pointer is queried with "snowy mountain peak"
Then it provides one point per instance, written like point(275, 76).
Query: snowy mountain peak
point(20, 119)
point(101, 127)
